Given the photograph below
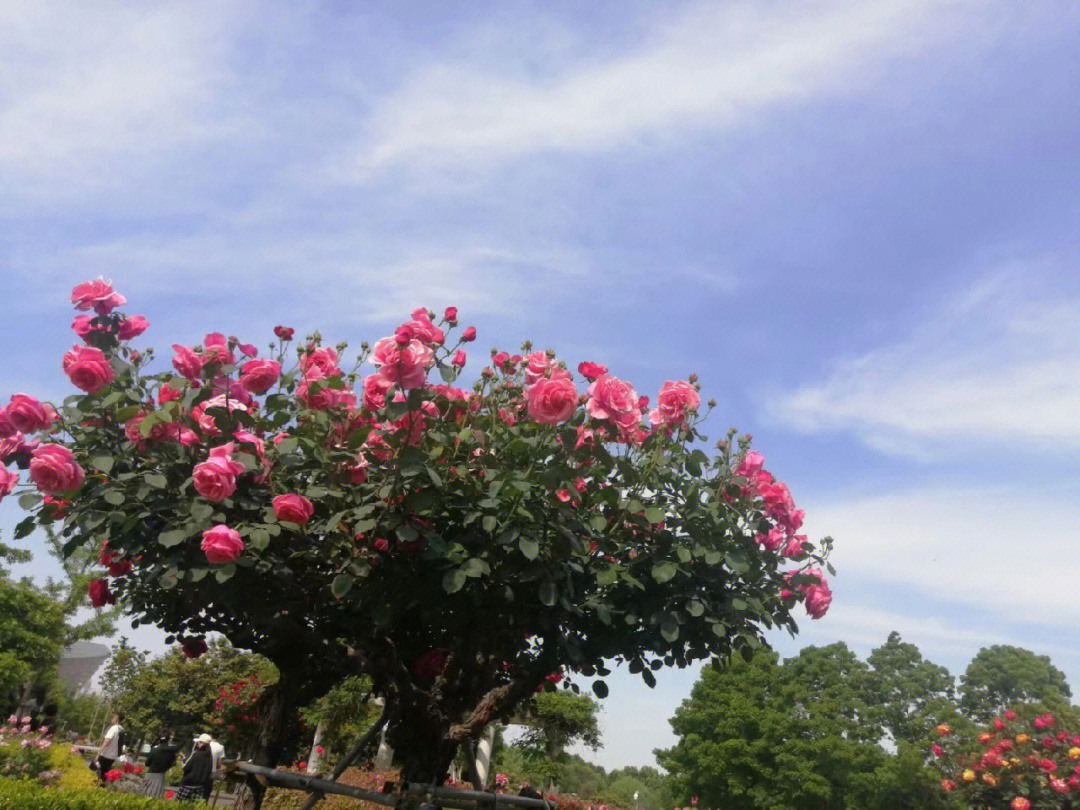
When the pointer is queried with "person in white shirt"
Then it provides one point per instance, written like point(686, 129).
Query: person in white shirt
point(112, 746)
point(217, 759)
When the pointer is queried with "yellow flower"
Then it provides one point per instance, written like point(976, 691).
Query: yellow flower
point(1022, 738)
point(1074, 753)
point(989, 779)
point(968, 775)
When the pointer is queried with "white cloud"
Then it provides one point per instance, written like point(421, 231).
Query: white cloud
point(712, 67)
point(1003, 553)
point(1000, 365)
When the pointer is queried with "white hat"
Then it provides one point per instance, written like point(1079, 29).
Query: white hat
point(206, 738)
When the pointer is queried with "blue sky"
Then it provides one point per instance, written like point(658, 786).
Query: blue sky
point(856, 221)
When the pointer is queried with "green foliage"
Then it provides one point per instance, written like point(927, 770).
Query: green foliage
point(125, 662)
point(1004, 677)
point(178, 692)
point(33, 632)
point(346, 712)
point(30, 796)
point(77, 712)
point(799, 734)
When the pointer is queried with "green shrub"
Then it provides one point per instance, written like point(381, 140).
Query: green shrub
point(24, 795)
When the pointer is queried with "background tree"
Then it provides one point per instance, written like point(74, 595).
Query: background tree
point(33, 634)
point(1004, 677)
point(908, 695)
point(339, 532)
point(554, 722)
point(124, 663)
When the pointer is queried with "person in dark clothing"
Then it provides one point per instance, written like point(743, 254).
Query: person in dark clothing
point(195, 783)
point(161, 757)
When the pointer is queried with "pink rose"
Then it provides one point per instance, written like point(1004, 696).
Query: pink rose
point(28, 414)
point(458, 360)
point(8, 480)
point(99, 593)
point(324, 398)
point(293, 508)
point(818, 599)
point(215, 478)
point(794, 547)
point(590, 371)
point(97, 295)
point(132, 327)
point(248, 349)
point(53, 469)
point(751, 465)
point(325, 360)
point(375, 390)
point(450, 315)
point(166, 393)
point(406, 365)
point(83, 326)
point(221, 544)
point(358, 470)
point(551, 401)
point(258, 376)
point(88, 368)
point(469, 334)
point(676, 399)
point(216, 349)
point(773, 540)
point(208, 422)
point(422, 329)
point(614, 400)
point(186, 362)
point(284, 332)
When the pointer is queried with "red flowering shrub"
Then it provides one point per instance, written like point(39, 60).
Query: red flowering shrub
point(1017, 763)
point(343, 522)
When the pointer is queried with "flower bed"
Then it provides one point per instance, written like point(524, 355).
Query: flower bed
point(28, 795)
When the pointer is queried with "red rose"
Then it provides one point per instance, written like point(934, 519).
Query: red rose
point(193, 647)
point(99, 593)
point(284, 332)
point(430, 665)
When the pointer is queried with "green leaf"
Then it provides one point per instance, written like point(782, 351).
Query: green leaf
point(712, 557)
point(529, 547)
point(169, 579)
point(406, 533)
point(476, 567)
point(26, 525)
point(341, 585)
point(684, 555)
point(654, 514)
point(225, 573)
point(200, 510)
point(102, 463)
point(695, 608)
point(364, 526)
point(197, 574)
point(155, 480)
point(173, 537)
point(737, 561)
point(288, 445)
point(600, 689)
point(598, 522)
point(453, 580)
point(489, 523)
point(739, 605)
point(649, 678)
point(664, 571)
point(548, 593)
point(669, 627)
point(113, 496)
point(28, 500)
point(607, 576)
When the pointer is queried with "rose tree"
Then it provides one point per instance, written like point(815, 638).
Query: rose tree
point(461, 547)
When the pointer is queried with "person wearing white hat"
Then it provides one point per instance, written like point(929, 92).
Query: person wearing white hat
point(195, 783)
point(217, 758)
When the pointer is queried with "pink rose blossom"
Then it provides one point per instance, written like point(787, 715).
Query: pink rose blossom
point(818, 599)
point(324, 398)
point(132, 327)
point(53, 469)
point(677, 398)
point(217, 350)
point(613, 400)
point(458, 361)
point(98, 295)
point(83, 327)
point(325, 360)
point(88, 368)
point(207, 422)
point(358, 470)
point(751, 465)
point(8, 480)
point(422, 329)
point(215, 478)
point(794, 546)
point(406, 365)
point(469, 334)
point(259, 376)
point(773, 540)
point(450, 315)
point(28, 414)
point(166, 393)
point(293, 508)
point(591, 371)
point(221, 544)
point(186, 362)
point(375, 390)
point(284, 332)
point(551, 401)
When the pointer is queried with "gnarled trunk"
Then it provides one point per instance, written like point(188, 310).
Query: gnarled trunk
point(278, 702)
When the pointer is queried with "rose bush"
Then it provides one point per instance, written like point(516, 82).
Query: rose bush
point(1017, 762)
point(456, 545)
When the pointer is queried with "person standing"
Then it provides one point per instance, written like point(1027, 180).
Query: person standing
point(161, 757)
point(217, 758)
point(112, 746)
point(195, 783)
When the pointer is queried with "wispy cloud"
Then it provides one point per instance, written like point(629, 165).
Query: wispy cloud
point(998, 365)
point(711, 67)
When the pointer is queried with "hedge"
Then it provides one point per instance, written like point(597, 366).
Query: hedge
point(26, 795)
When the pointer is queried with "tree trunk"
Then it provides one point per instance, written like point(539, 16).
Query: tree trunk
point(278, 702)
point(418, 735)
